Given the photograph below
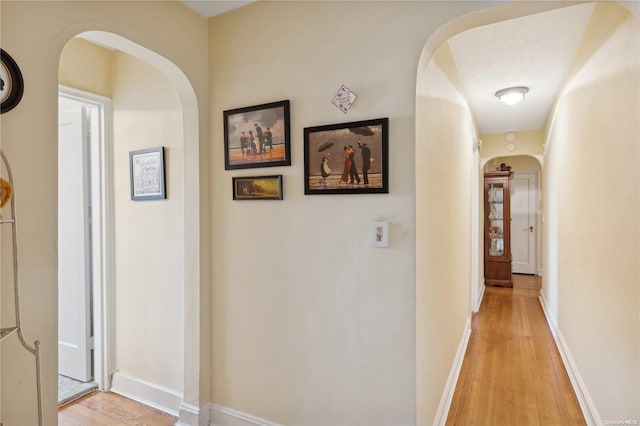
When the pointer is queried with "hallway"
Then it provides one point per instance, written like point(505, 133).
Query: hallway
point(512, 373)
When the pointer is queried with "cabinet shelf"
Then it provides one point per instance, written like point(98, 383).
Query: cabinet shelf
point(497, 240)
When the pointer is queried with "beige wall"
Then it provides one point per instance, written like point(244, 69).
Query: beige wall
point(149, 238)
point(31, 148)
point(312, 324)
point(86, 66)
point(320, 328)
point(518, 163)
point(443, 230)
point(593, 212)
point(530, 142)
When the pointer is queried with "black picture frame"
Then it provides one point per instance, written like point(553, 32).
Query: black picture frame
point(257, 187)
point(363, 143)
point(244, 148)
point(11, 83)
point(147, 174)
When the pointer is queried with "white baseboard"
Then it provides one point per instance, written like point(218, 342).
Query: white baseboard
point(190, 415)
point(550, 320)
point(539, 272)
point(147, 393)
point(450, 386)
point(480, 297)
point(589, 410)
point(224, 416)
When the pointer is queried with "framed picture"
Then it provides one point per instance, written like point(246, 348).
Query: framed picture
point(348, 158)
point(147, 174)
point(257, 188)
point(257, 136)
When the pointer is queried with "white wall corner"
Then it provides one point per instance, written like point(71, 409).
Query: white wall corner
point(550, 320)
point(190, 415)
point(589, 410)
point(224, 416)
point(476, 308)
point(147, 393)
point(450, 386)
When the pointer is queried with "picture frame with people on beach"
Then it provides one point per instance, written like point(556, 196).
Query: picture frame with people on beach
point(257, 136)
point(347, 158)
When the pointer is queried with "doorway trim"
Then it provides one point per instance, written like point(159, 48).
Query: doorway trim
point(534, 212)
point(103, 266)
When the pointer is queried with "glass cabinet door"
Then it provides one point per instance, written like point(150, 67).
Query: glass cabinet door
point(496, 219)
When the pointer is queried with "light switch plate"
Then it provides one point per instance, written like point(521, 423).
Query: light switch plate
point(381, 234)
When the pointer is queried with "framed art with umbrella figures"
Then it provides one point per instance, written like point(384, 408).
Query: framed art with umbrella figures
point(347, 158)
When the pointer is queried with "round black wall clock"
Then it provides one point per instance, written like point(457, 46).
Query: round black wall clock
point(11, 84)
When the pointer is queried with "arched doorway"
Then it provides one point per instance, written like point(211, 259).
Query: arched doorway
point(448, 173)
point(526, 210)
point(176, 236)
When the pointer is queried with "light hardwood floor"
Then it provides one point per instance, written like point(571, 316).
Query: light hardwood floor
point(110, 409)
point(512, 373)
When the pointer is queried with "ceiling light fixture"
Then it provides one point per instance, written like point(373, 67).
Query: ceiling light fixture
point(512, 95)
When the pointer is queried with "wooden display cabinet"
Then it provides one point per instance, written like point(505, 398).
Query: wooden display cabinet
point(497, 229)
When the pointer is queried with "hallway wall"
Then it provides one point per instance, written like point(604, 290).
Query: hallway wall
point(444, 152)
point(34, 33)
point(529, 142)
point(592, 208)
point(149, 238)
point(312, 324)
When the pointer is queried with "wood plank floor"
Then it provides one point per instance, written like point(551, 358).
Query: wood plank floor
point(110, 409)
point(512, 373)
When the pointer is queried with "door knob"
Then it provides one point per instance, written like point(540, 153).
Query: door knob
point(531, 229)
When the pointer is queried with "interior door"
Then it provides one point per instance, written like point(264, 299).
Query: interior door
point(524, 197)
point(74, 309)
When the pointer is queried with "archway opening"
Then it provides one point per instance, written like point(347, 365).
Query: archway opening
point(146, 300)
point(449, 209)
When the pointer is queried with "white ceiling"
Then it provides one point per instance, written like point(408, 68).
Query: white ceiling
point(209, 8)
point(535, 51)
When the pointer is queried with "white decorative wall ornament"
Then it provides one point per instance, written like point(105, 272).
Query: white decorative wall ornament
point(344, 99)
point(511, 147)
point(510, 137)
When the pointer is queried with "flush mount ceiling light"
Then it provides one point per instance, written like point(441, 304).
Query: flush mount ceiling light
point(512, 95)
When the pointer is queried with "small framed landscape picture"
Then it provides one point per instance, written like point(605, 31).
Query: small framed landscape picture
point(257, 188)
point(347, 158)
point(257, 136)
point(147, 174)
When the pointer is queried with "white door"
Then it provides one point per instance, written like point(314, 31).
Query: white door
point(524, 201)
point(74, 307)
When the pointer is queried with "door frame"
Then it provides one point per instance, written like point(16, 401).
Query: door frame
point(103, 305)
point(533, 210)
